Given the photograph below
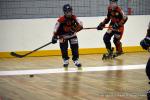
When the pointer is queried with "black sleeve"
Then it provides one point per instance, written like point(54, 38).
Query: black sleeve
point(107, 19)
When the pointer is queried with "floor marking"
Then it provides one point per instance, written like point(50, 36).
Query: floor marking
point(71, 70)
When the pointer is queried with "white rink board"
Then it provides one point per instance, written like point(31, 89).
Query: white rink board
point(28, 34)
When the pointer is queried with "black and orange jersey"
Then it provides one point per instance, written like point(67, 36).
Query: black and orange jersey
point(115, 15)
point(64, 25)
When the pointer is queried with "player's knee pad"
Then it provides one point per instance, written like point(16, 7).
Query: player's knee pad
point(74, 47)
point(74, 41)
point(118, 45)
point(118, 35)
point(116, 41)
point(106, 38)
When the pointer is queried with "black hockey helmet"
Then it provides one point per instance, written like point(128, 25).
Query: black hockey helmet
point(113, 0)
point(67, 8)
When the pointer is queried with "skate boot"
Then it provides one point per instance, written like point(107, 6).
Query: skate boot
point(108, 55)
point(118, 53)
point(78, 64)
point(65, 64)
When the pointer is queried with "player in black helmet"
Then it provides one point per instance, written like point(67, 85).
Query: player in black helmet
point(67, 9)
point(145, 44)
point(113, 1)
point(117, 19)
point(65, 29)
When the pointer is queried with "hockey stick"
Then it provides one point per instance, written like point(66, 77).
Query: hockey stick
point(93, 28)
point(21, 56)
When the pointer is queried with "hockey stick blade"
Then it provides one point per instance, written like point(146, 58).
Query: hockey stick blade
point(16, 55)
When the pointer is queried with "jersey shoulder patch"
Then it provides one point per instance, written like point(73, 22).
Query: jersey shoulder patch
point(61, 19)
point(118, 9)
point(114, 7)
point(74, 17)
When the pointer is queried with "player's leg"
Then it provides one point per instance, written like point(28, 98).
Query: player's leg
point(148, 69)
point(64, 51)
point(106, 38)
point(118, 45)
point(75, 51)
point(148, 75)
point(117, 42)
point(148, 95)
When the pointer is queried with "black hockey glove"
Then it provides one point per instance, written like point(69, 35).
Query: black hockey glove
point(115, 26)
point(76, 28)
point(54, 39)
point(100, 26)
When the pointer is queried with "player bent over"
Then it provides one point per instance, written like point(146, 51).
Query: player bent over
point(65, 29)
point(117, 19)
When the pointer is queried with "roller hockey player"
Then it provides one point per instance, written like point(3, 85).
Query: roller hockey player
point(117, 19)
point(65, 29)
point(145, 44)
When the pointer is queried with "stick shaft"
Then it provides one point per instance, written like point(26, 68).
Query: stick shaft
point(20, 56)
point(93, 28)
point(38, 48)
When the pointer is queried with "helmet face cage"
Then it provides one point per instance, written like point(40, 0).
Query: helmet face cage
point(67, 8)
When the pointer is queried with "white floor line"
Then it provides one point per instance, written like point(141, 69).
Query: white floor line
point(71, 70)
